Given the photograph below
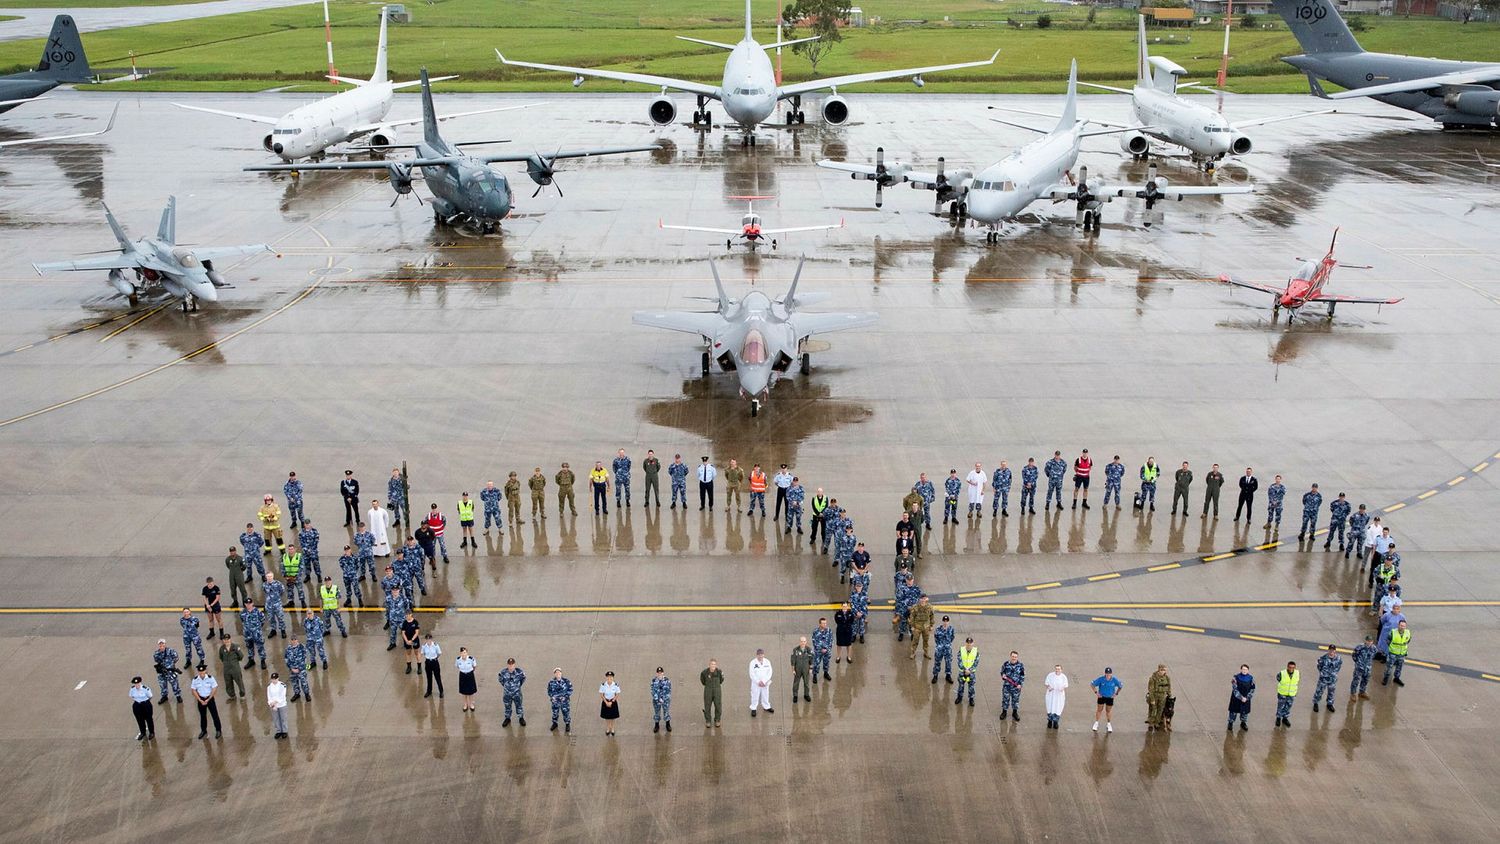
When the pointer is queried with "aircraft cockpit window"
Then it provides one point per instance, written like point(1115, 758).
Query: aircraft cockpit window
point(755, 348)
point(185, 258)
point(1007, 186)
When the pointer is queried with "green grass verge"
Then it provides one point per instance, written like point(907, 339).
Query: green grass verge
point(258, 50)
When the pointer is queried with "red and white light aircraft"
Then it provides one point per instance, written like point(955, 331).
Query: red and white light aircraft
point(1307, 287)
point(750, 229)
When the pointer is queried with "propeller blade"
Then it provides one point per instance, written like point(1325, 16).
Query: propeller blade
point(879, 194)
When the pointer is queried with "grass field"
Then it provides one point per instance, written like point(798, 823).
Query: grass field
point(258, 50)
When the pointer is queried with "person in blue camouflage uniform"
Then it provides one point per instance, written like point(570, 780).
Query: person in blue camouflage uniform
point(312, 626)
point(1055, 468)
point(296, 666)
point(833, 523)
point(511, 680)
point(1312, 501)
point(1275, 498)
point(165, 660)
point(1329, 666)
point(190, 638)
point(951, 488)
point(349, 566)
point(413, 563)
point(907, 595)
point(490, 497)
point(678, 472)
point(1284, 702)
point(928, 492)
point(942, 654)
point(395, 498)
point(843, 548)
point(1359, 522)
point(1029, 474)
point(1012, 678)
point(822, 645)
point(364, 541)
point(1338, 513)
point(1114, 475)
point(620, 468)
point(560, 693)
point(396, 608)
point(1001, 482)
point(255, 549)
point(308, 539)
point(795, 494)
point(253, 622)
point(293, 490)
point(1364, 663)
point(275, 613)
point(661, 700)
point(859, 603)
point(392, 581)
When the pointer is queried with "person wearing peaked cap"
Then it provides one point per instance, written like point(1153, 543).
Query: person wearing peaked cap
point(706, 475)
point(942, 653)
point(349, 491)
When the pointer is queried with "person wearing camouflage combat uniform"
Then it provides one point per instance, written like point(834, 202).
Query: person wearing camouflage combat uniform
point(1000, 481)
point(678, 472)
point(1158, 689)
point(364, 540)
point(238, 568)
point(734, 476)
point(253, 619)
point(1338, 515)
point(1359, 522)
point(349, 567)
point(651, 470)
point(1364, 662)
point(165, 660)
point(295, 657)
point(291, 571)
point(1286, 692)
point(843, 548)
point(1312, 501)
point(512, 677)
point(396, 608)
point(1029, 474)
point(513, 500)
point(907, 594)
point(620, 468)
point(942, 652)
point(565, 481)
point(328, 596)
point(395, 498)
point(661, 700)
point(1012, 678)
point(1055, 469)
point(802, 661)
point(1329, 666)
point(1275, 497)
point(308, 539)
point(795, 494)
point(560, 693)
point(822, 645)
point(490, 498)
point(919, 619)
point(275, 611)
point(312, 626)
point(859, 604)
point(293, 491)
point(537, 483)
point(928, 492)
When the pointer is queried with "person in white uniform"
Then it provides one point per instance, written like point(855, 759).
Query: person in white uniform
point(1056, 684)
point(276, 700)
point(760, 682)
point(975, 481)
point(379, 520)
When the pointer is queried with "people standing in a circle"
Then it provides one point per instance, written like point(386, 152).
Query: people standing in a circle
point(609, 702)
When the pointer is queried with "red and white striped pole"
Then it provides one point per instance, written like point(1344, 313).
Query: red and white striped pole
point(328, 38)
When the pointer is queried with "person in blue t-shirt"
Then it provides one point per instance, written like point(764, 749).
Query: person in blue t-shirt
point(1106, 687)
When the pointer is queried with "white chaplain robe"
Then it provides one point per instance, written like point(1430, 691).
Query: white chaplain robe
point(1057, 692)
point(379, 520)
point(975, 482)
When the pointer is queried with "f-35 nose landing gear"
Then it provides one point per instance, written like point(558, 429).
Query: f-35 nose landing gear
point(755, 407)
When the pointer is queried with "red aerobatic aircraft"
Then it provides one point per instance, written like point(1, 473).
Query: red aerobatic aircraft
point(1306, 287)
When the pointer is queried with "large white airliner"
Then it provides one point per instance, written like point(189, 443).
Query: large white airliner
point(1039, 170)
point(308, 131)
point(749, 91)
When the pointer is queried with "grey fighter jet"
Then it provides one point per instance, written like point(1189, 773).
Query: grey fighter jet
point(62, 62)
point(464, 188)
point(756, 337)
point(185, 272)
point(1455, 94)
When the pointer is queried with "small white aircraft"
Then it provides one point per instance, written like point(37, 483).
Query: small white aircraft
point(308, 131)
point(750, 229)
point(749, 91)
point(1161, 113)
point(1039, 170)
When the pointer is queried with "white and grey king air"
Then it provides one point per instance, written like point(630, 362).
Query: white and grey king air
point(748, 91)
point(756, 337)
point(1455, 94)
point(185, 272)
point(1163, 114)
point(62, 62)
point(1041, 169)
point(464, 187)
point(308, 131)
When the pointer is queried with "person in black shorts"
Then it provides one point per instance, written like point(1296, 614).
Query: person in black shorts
point(1106, 686)
point(411, 641)
point(213, 608)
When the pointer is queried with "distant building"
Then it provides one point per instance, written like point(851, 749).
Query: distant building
point(1168, 16)
point(1215, 8)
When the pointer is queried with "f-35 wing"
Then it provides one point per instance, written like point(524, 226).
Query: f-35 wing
point(806, 325)
point(1477, 76)
point(1229, 279)
point(874, 76)
point(710, 91)
point(704, 325)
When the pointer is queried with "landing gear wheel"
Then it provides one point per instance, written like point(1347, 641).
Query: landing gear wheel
point(791, 117)
point(134, 299)
point(953, 208)
point(704, 363)
point(755, 407)
point(963, 209)
point(728, 244)
point(773, 243)
point(806, 363)
point(801, 117)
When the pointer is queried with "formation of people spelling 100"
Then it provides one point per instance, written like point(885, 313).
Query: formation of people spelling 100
point(295, 565)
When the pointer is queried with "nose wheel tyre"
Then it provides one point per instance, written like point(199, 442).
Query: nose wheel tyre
point(755, 407)
point(806, 363)
point(704, 363)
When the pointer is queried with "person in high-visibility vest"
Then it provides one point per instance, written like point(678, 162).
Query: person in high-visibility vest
point(329, 593)
point(1149, 473)
point(291, 572)
point(466, 521)
point(757, 490)
point(1286, 692)
point(968, 670)
point(1396, 652)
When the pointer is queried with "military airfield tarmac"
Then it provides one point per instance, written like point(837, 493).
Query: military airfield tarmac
point(137, 441)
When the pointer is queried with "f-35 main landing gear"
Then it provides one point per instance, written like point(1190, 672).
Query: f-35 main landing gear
point(806, 363)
